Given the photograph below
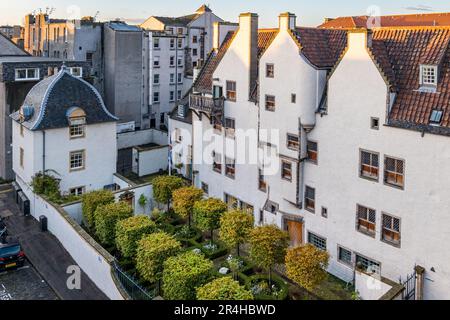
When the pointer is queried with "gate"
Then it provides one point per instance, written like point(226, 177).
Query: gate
point(410, 287)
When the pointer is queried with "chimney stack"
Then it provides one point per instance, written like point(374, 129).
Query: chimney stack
point(248, 28)
point(216, 36)
point(287, 21)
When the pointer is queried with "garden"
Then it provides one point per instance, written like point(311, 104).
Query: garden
point(197, 248)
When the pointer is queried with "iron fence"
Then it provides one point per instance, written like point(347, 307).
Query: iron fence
point(131, 286)
point(410, 287)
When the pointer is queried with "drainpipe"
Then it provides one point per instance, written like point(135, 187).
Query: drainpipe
point(43, 152)
point(420, 275)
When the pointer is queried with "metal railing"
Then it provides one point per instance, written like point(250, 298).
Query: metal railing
point(130, 285)
point(206, 104)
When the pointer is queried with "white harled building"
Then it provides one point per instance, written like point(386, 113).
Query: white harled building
point(362, 145)
point(64, 127)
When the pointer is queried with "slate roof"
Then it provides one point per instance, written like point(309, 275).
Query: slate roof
point(408, 20)
point(204, 81)
point(178, 21)
point(53, 96)
point(322, 47)
point(9, 48)
point(399, 52)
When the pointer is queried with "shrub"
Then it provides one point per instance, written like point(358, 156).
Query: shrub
point(306, 266)
point(268, 246)
point(235, 228)
point(90, 202)
point(259, 285)
point(130, 231)
point(183, 274)
point(207, 214)
point(46, 184)
point(184, 200)
point(106, 218)
point(164, 186)
point(152, 251)
point(224, 289)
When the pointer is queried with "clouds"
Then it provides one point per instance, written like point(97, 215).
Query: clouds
point(420, 7)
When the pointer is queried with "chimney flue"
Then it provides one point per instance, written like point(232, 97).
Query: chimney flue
point(248, 28)
point(287, 21)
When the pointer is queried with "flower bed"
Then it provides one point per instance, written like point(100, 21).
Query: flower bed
point(261, 289)
point(186, 233)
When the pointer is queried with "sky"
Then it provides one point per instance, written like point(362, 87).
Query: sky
point(309, 13)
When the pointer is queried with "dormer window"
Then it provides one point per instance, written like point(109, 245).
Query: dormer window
point(428, 75)
point(77, 123)
point(76, 72)
point(436, 117)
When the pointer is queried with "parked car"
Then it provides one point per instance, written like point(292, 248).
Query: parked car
point(11, 255)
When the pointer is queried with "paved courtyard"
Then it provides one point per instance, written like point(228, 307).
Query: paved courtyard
point(46, 255)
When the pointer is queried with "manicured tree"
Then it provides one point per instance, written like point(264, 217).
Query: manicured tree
point(153, 250)
point(106, 218)
point(130, 231)
point(268, 246)
point(235, 228)
point(90, 202)
point(184, 200)
point(164, 186)
point(223, 289)
point(306, 266)
point(207, 214)
point(185, 273)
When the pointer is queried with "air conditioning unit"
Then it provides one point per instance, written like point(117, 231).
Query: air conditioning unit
point(24, 203)
point(16, 189)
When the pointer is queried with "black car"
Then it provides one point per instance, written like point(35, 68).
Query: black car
point(11, 255)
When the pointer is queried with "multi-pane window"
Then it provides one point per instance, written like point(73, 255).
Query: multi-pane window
point(27, 74)
point(270, 103)
point(180, 43)
point(156, 43)
point(156, 78)
point(172, 61)
point(317, 241)
point(231, 90)
point(217, 162)
point(230, 127)
point(172, 96)
point(286, 170)
point(313, 151)
point(367, 265)
point(78, 191)
point(428, 75)
point(391, 229)
point(232, 202)
point(366, 220)
point(436, 117)
point(180, 62)
point(293, 141)
point(230, 167)
point(172, 78)
point(345, 256)
point(156, 62)
point(156, 97)
point(270, 70)
point(179, 95)
point(310, 199)
point(77, 130)
point(394, 172)
point(172, 43)
point(76, 160)
point(247, 207)
point(370, 165)
point(22, 157)
point(262, 185)
point(205, 188)
point(180, 77)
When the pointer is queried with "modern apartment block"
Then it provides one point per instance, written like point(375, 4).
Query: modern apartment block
point(356, 121)
point(79, 40)
point(19, 72)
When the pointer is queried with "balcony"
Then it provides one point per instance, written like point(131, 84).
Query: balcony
point(208, 105)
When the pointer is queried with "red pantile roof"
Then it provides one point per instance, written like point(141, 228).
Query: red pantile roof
point(399, 52)
point(408, 20)
point(322, 47)
point(203, 84)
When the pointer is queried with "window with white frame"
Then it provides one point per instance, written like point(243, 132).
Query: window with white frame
point(77, 159)
point(172, 61)
point(26, 74)
point(76, 71)
point(231, 91)
point(391, 230)
point(179, 94)
point(217, 162)
point(317, 241)
point(428, 75)
point(286, 170)
point(156, 78)
point(310, 199)
point(180, 43)
point(270, 103)
point(230, 127)
point(180, 62)
point(293, 142)
point(172, 78)
point(230, 167)
point(156, 62)
point(180, 77)
point(77, 129)
point(436, 117)
point(156, 43)
point(78, 191)
point(172, 96)
point(172, 43)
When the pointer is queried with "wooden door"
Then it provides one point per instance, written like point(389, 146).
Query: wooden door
point(295, 230)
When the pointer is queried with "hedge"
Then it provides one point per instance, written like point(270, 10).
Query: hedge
point(130, 231)
point(223, 289)
point(282, 285)
point(90, 202)
point(185, 273)
point(106, 218)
